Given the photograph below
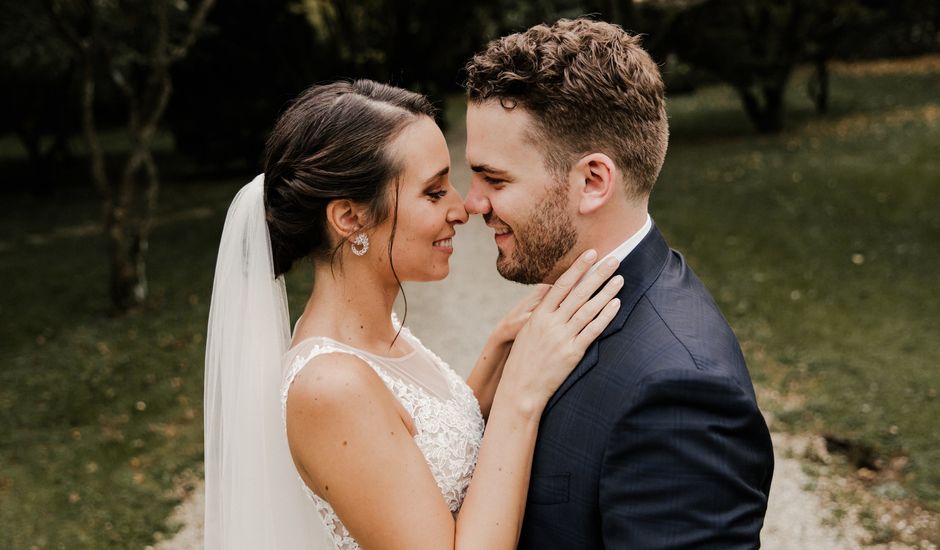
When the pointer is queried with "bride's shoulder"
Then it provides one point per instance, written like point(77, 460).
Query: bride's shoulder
point(333, 373)
point(338, 397)
point(334, 383)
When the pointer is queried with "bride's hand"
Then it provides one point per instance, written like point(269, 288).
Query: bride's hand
point(508, 327)
point(559, 330)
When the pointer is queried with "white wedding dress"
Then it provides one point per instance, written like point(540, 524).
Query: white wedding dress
point(447, 419)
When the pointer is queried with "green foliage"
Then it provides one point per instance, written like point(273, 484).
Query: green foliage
point(821, 248)
point(101, 417)
point(260, 55)
point(37, 77)
point(254, 58)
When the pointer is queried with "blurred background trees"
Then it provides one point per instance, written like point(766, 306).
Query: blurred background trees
point(89, 66)
point(256, 55)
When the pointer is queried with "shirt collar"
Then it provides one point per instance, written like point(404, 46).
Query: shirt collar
point(625, 248)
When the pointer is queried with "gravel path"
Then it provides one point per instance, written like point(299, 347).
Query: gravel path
point(793, 522)
point(452, 317)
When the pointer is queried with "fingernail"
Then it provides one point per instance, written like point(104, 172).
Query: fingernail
point(590, 256)
point(619, 279)
point(613, 262)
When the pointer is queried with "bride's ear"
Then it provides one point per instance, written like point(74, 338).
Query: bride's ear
point(345, 218)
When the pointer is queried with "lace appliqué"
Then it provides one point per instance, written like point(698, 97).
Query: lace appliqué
point(448, 433)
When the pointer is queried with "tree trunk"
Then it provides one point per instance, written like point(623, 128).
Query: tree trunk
point(819, 85)
point(128, 262)
point(764, 107)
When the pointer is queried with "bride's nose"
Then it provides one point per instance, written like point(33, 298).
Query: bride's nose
point(457, 213)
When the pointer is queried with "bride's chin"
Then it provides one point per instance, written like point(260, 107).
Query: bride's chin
point(438, 275)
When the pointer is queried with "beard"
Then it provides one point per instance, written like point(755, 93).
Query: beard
point(543, 239)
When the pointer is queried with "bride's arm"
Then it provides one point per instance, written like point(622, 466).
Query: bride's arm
point(350, 441)
point(484, 378)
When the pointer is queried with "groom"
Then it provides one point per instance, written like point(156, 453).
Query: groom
point(655, 441)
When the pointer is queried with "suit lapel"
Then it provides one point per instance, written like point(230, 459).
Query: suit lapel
point(639, 270)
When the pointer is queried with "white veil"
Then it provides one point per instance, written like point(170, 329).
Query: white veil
point(254, 498)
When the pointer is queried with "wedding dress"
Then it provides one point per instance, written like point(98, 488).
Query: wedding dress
point(446, 415)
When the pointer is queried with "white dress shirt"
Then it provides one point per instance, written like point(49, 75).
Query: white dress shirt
point(625, 248)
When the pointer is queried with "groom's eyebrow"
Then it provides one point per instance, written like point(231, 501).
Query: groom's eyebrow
point(488, 169)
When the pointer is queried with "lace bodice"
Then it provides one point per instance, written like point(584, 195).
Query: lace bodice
point(446, 415)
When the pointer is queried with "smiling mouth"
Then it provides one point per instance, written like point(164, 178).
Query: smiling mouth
point(501, 235)
point(444, 243)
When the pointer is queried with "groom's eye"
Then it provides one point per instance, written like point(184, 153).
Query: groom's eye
point(493, 181)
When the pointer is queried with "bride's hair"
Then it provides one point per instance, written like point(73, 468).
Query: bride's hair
point(332, 143)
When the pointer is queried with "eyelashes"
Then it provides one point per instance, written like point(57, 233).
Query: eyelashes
point(437, 195)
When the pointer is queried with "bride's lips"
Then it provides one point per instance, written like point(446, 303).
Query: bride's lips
point(444, 245)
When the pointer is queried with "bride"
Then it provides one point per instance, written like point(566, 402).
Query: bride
point(350, 433)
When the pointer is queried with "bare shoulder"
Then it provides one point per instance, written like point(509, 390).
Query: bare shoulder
point(334, 383)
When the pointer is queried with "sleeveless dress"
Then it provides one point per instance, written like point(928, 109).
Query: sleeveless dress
point(446, 415)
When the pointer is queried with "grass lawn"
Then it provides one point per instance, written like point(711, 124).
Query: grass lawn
point(820, 244)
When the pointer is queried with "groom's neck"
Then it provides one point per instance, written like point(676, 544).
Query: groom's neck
point(603, 233)
point(607, 231)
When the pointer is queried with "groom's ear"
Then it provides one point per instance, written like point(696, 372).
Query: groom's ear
point(595, 176)
point(344, 217)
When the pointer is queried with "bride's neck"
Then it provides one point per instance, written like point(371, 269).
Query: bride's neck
point(352, 304)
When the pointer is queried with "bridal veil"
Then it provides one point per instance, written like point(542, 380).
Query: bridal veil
point(254, 499)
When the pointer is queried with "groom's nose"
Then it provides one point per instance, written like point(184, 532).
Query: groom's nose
point(476, 201)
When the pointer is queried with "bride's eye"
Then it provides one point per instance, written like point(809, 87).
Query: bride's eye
point(437, 195)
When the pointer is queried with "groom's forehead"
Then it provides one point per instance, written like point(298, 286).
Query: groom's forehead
point(494, 133)
point(491, 115)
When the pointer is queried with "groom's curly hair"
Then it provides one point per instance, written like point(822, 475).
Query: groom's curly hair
point(589, 86)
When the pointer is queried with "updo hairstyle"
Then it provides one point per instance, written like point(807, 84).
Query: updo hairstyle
point(332, 143)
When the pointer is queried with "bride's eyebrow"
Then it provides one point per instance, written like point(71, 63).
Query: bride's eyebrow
point(441, 173)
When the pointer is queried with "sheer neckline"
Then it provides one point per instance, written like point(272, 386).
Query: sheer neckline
point(405, 357)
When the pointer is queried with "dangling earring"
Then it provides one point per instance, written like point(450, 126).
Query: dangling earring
point(362, 242)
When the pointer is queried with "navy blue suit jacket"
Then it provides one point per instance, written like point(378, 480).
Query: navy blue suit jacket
point(655, 440)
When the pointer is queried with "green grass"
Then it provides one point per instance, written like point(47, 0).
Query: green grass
point(101, 416)
point(822, 246)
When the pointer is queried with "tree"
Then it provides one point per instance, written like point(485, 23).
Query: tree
point(418, 44)
point(254, 57)
point(133, 43)
point(257, 55)
point(38, 77)
point(753, 45)
point(829, 35)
